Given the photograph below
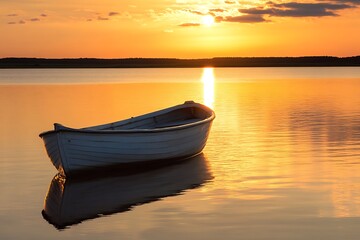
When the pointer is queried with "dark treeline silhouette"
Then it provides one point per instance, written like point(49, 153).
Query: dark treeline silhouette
point(317, 61)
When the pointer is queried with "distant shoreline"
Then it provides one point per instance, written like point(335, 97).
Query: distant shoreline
point(316, 61)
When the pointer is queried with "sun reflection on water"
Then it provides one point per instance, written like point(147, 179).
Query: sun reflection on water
point(208, 79)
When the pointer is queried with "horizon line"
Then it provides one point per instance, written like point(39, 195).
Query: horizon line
point(311, 61)
point(176, 58)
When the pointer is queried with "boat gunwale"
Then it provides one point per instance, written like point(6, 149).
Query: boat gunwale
point(146, 130)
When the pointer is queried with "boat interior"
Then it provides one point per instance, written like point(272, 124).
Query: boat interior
point(173, 118)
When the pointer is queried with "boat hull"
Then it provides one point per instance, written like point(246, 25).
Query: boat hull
point(72, 152)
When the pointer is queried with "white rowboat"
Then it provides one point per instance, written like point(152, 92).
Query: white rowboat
point(173, 133)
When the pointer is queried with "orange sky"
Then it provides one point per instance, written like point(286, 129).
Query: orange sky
point(175, 28)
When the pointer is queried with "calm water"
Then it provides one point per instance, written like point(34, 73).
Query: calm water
point(282, 160)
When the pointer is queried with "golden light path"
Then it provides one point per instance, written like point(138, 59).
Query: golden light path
point(208, 80)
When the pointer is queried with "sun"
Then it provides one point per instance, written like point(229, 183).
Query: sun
point(208, 20)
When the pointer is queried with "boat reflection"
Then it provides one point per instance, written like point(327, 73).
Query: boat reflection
point(71, 201)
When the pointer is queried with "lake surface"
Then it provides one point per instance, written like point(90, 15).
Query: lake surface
point(282, 160)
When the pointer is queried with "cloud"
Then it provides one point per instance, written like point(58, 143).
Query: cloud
point(197, 12)
point(213, 12)
point(261, 12)
point(249, 18)
point(219, 10)
point(356, 2)
point(102, 18)
point(308, 9)
point(113, 14)
point(296, 9)
point(219, 19)
point(22, 21)
point(246, 11)
point(189, 25)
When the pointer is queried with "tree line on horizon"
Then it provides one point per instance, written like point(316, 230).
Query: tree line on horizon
point(311, 61)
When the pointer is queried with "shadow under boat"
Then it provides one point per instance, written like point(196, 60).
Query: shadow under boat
point(71, 201)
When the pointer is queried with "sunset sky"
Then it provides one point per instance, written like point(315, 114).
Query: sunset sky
point(178, 28)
